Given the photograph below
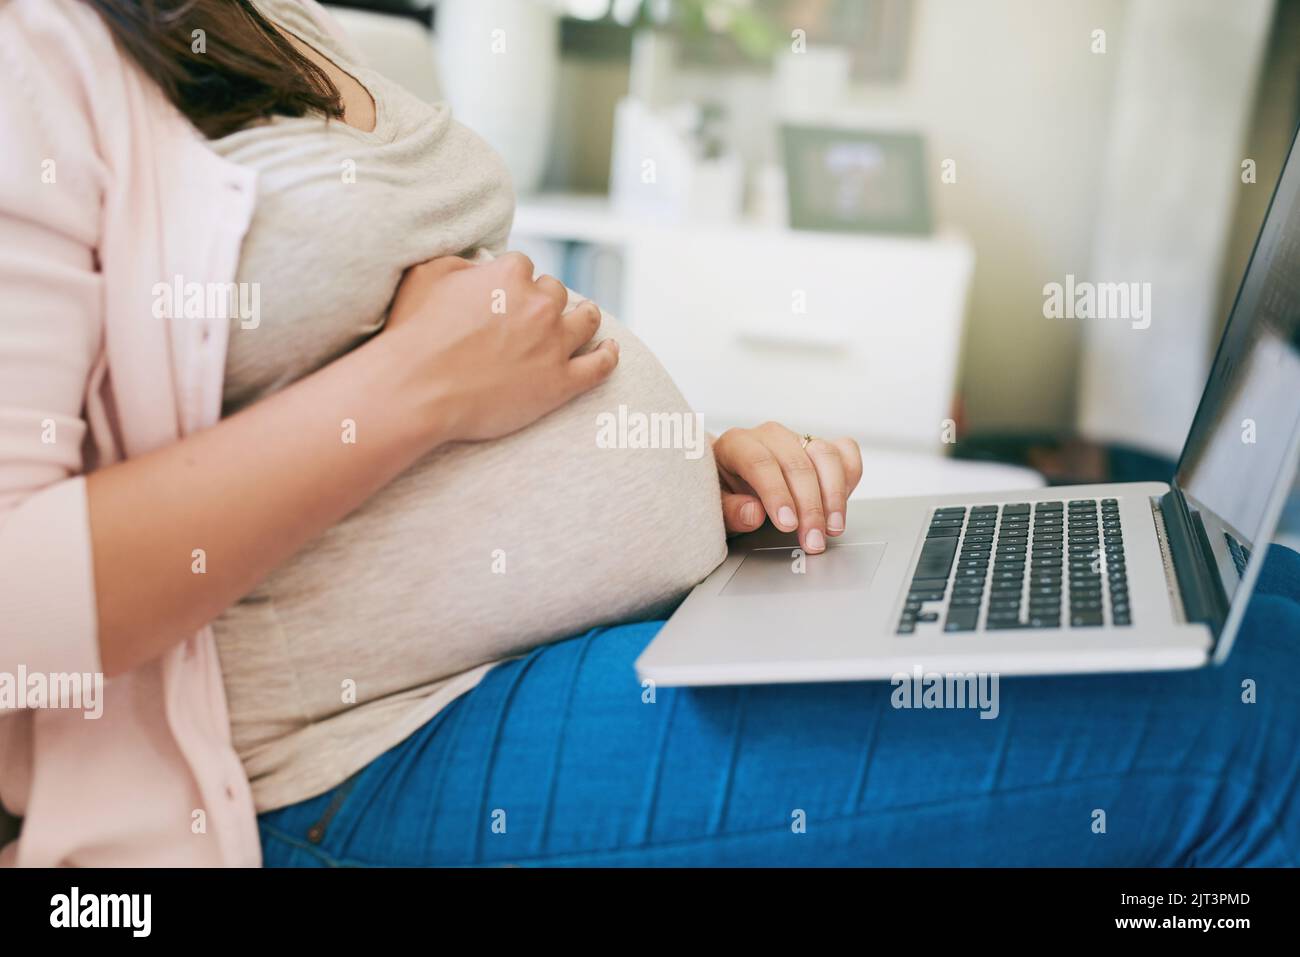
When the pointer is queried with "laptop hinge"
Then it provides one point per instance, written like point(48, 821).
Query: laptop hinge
point(1204, 599)
point(1172, 588)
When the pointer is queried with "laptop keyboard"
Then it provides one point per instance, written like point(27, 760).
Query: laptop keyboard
point(996, 568)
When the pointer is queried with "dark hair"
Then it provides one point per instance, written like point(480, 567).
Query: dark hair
point(246, 70)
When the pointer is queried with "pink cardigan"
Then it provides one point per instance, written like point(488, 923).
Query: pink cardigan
point(136, 198)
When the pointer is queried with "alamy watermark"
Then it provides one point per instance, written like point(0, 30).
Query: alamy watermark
point(1098, 300)
point(653, 430)
point(65, 690)
point(977, 690)
point(133, 912)
point(179, 299)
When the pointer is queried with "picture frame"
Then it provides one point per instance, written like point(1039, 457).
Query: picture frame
point(856, 180)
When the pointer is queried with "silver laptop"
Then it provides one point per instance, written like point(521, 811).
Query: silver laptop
point(1089, 578)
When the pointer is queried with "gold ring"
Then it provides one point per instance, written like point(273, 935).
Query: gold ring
point(806, 439)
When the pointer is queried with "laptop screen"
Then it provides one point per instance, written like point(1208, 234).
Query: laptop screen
point(1237, 463)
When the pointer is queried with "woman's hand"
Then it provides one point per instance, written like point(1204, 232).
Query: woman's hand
point(765, 472)
point(492, 347)
point(469, 352)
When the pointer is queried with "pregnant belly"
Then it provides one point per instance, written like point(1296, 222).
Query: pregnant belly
point(482, 551)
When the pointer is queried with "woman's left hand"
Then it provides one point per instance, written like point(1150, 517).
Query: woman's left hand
point(765, 472)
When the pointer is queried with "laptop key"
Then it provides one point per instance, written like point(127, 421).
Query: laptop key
point(961, 619)
point(924, 584)
point(936, 558)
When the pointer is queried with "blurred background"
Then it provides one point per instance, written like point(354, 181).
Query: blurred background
point(843, 214)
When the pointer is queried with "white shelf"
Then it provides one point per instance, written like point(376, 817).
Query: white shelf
point(841, 333)
point(592, 218)
point(570, 217)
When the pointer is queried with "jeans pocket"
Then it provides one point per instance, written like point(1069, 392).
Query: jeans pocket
point(297, 835)
point(317, 832)
point(282, 850)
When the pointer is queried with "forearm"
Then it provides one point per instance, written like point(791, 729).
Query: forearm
point(183, 532)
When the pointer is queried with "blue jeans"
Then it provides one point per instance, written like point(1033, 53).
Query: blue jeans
point(562, 758)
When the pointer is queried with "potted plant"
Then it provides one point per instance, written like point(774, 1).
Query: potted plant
point(716, 31)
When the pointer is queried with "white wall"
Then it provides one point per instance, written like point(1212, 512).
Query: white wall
point(1012, 91)
point(1009, 89)
point(1173, 179)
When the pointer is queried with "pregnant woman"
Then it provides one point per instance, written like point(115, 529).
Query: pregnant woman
point(326, 541)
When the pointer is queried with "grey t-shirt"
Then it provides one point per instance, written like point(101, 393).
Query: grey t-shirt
point(477, 553)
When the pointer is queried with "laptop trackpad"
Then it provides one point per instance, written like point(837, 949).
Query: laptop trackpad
point(768, 571)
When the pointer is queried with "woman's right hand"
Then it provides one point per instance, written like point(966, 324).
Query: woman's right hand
point(491, 347)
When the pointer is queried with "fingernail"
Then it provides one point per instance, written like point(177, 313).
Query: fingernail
point(836, 522)
point(786, 517)
point(750, 514)
point(815, 540)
